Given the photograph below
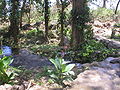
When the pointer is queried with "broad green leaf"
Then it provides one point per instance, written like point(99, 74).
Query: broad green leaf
point(58, 63)
point(53, 76)
point(63, 68)
point(69, 67)
point(71, 73)
point(7, 61)
point(55, 63)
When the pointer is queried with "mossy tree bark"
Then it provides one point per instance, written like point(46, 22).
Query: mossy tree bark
point(77, 31)
point(80, 16)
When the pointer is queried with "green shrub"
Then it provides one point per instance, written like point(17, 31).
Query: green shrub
point(90, 51)
point(5, 75)
point(49, 50)
point(35, 32)
point(62, 71)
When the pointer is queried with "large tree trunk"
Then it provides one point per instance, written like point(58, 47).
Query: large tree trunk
point(14, 22)
point(46, 16)
point(77, 36)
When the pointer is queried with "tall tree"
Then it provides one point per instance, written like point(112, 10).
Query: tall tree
point(80, 16)
point(117, 6)
point(14, 21)
point(62, 22)
point(104, 3)
point(46, 17)
point(64, 4)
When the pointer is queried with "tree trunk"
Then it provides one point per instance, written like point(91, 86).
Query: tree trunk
point(80, 16)
point(117, 7)
point(62, 23)
point(14, 21)
point(77, 36)
point(104, 3)
point(46, 16)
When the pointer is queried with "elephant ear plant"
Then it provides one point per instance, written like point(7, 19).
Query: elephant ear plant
point(62, 71)
point(5, 74)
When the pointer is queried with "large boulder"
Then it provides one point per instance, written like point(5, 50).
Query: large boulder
point(99, 76)
point(108, 42)
point(28, 60)
point(116, 60)
point(96, 80)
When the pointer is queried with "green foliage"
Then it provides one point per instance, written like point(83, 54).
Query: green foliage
point(62, 71)
point(35, 32)
point(5, 75)
point(46, 50)
point(90, 51)
point(63, 15)
point(102, 14)
point(88, 33)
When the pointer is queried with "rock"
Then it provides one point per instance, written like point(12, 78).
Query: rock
point(108, 42)
point(95, 80)
point(98, 24)
point(37, 87)
point(109, 59)
point(18, 87)
point(117, 60)
point(2, 87)
point(28, 60)
point(99, 76)
point(10, 87)
point(6, 87)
